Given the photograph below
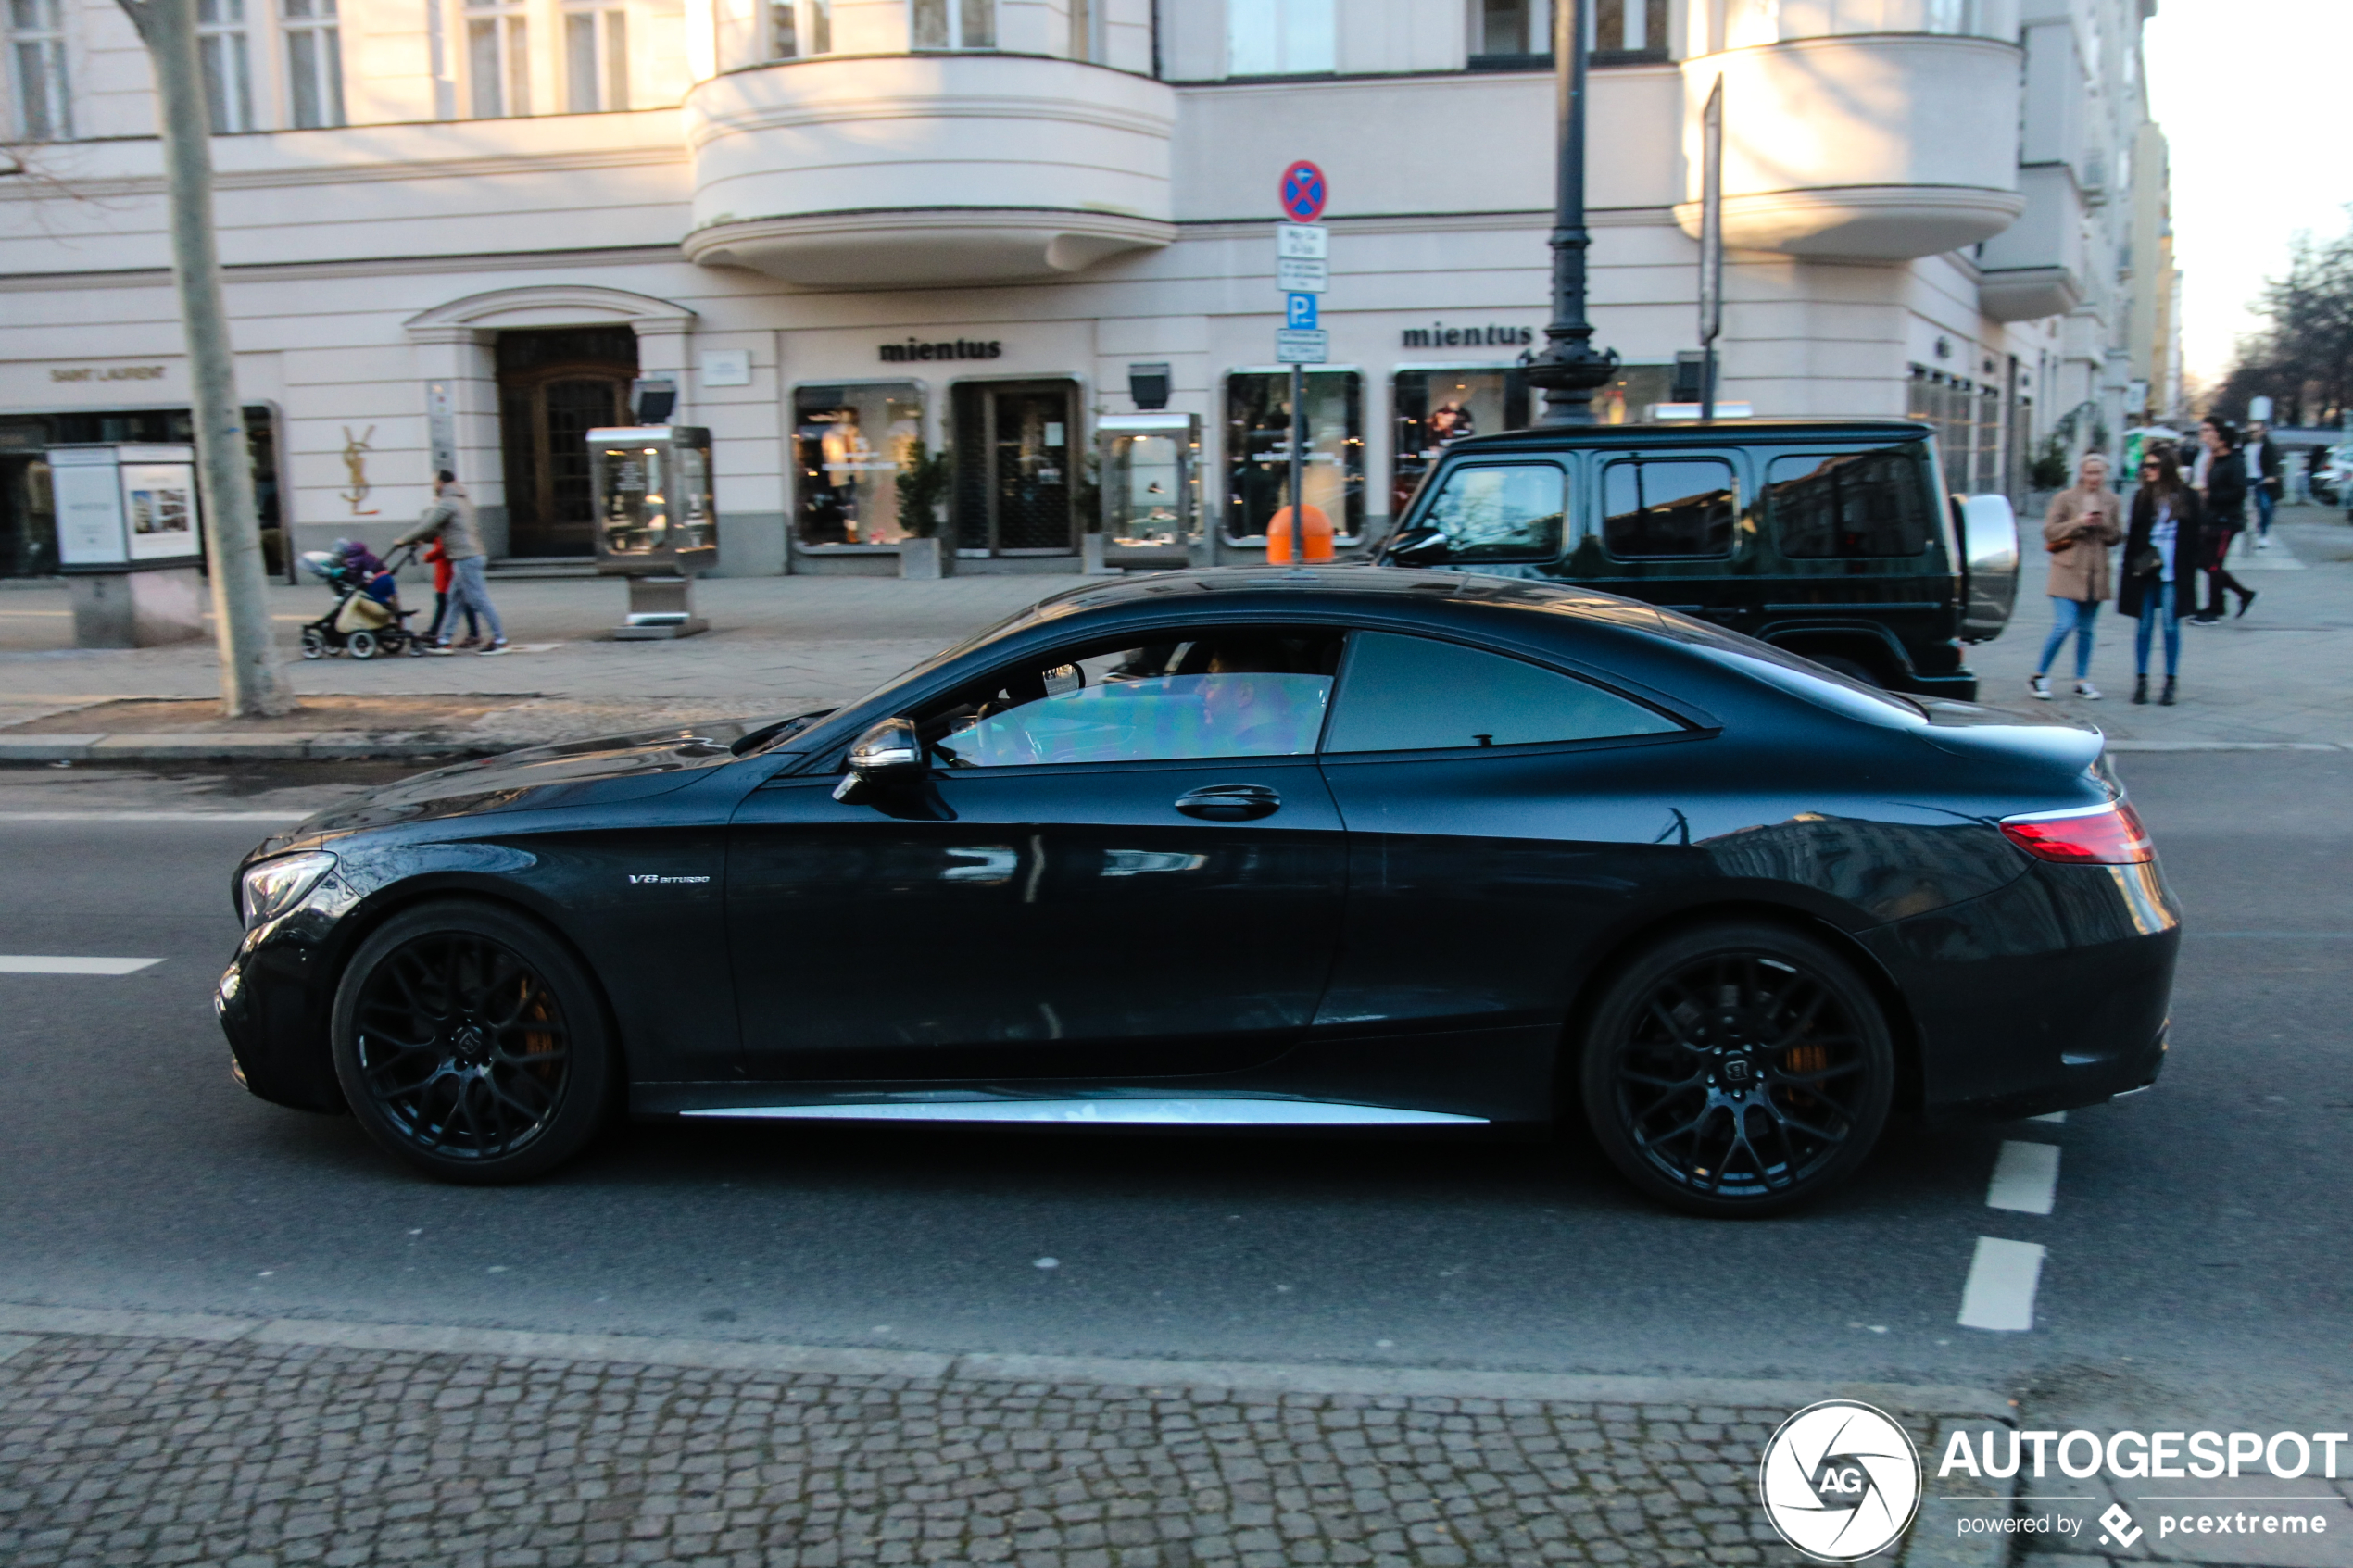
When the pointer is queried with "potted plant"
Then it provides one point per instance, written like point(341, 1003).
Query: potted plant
point(924, 478)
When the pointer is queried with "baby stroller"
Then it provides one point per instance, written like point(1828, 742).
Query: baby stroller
point(366, 619)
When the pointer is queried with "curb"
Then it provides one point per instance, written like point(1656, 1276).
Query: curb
point(315, 745)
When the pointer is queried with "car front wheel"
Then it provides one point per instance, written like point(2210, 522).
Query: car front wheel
point(1737, 1069)
point(471, 1044)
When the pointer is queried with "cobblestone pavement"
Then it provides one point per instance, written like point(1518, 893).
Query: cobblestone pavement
point(120, 1450)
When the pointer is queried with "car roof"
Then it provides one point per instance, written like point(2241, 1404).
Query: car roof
point(1333, 588)
point(1716, 433)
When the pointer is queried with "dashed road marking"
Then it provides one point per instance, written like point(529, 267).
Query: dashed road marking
point(43, 963)
point(2025, 1177)
point(2000, 1292)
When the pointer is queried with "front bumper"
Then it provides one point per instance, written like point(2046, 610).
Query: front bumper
point(273, 1002)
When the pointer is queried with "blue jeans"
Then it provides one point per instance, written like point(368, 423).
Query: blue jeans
point(469, 592)
point(2075, 615)
point(2160, 601)
point(2263, 504)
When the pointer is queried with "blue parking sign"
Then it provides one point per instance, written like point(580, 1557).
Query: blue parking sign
point(1298, 312)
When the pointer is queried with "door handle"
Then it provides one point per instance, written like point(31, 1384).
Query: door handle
point(1230, 803)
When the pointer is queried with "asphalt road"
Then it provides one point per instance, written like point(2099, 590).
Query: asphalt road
point(2196, 1253)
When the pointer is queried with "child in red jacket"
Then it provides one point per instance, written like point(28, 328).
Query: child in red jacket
point(442, 573)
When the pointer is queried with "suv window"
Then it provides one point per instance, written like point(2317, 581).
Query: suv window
point(1416, 694)
point(1236, 691)
point(1854, 505)
point(1501, 511)
point(1669, 507)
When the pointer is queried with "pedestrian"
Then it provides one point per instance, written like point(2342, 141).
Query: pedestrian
point(2083, 521)
point(2160, 555)
point(438, 558)
point(2260, 457)
point(2225, 514)
point(450, 520)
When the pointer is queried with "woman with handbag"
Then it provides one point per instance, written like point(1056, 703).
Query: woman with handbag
point(2077, 530)
point(2162, 553)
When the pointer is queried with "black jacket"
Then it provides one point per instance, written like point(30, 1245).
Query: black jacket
point(2189, 546)
point(2226, 491)
point(2265, 469)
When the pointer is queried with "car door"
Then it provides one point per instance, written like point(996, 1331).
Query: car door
point(1500, 813)
point(1123, 864)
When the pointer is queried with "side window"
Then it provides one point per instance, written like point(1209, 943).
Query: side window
point(1415, 693)
point(1667, 508)
point(1501, 511)
point(1854, 505)
point(1219, 692)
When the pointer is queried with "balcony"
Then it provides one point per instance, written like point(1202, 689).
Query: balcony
point(2037, 265)
point(919, 171)
point(1868, 148)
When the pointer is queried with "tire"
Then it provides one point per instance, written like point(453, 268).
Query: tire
point(1745, 1110)
point(472, 1044)
point(361, 645)
point(314, 643)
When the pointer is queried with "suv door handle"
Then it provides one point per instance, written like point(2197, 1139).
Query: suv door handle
point(1230, 803)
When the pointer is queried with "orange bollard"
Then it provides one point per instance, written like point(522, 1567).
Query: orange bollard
point(1320, 536)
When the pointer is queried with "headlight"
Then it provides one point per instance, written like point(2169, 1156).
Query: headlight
point(272, 887)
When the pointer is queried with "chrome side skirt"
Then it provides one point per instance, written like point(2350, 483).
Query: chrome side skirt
point(1189, 1112)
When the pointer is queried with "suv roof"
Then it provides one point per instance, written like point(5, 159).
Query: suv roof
point(1747, 431)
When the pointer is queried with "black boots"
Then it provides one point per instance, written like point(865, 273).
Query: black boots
point(2166, 700)
point(2141, 690)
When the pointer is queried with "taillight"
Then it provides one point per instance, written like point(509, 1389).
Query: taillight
point(2093, 835)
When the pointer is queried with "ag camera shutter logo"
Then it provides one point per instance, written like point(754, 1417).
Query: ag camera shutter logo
point(1840, 1481)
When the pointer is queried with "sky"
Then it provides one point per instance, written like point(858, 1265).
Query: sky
point(2250, 94)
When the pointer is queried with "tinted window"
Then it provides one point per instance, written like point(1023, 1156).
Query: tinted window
point(1673, 506)
point(1857, 504)
point(1414, 694)
point(1507, 512)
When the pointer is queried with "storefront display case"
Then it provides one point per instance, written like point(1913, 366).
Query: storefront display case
point(129, 543)
point(1151, 487)
point(656, 522)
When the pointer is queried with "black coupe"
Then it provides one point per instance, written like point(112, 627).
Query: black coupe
point(1327, 847)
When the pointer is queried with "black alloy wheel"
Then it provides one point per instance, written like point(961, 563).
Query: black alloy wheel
point(1738, 1069)
point(471, 1044)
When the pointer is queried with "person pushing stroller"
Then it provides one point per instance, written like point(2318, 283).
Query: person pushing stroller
point(449, 521)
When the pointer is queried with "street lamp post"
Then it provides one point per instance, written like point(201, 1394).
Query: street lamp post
point(1570, 368)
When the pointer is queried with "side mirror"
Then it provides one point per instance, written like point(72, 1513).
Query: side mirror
point(891, 752)
point(1988, 532)
point(1421, 546)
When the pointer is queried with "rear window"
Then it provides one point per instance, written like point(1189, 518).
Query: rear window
point(1667, 508)
point(1851, 506)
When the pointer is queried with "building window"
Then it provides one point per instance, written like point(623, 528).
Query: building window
point(850, 443)
point(1436, 409)
point(228, 67)
point(1280, 37)
point(498, 59)
point(1258, 449)
point(799, 28)
point(37, 71)
point(955, 24)
point(595, 60)
point(314, 63)
point(1085, 15)
point(1629, 27)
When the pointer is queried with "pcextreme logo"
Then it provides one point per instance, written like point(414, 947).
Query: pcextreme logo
point(1840, 1481)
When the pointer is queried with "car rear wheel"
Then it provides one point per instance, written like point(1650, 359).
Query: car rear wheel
point(1738, 1069)
point(471, 1044)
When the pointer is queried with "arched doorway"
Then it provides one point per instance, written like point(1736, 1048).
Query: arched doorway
point(555, 385)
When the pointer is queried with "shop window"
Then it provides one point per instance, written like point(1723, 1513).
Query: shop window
point(1436, 409)
point(1416, 694)
point(596, 59)
point(498, 59)
point(1280, 37)
point(1501, 511)
point(1854, 505)
point(850, 443)
point(222, 53)
point(1627, 397)
point(314, 63)
point(1674, 506)
point(1258, 421)
point(955, 24)
point(43, 92)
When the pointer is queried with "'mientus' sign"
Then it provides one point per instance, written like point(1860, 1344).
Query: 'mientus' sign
point(1436, 336)
point(956, 348)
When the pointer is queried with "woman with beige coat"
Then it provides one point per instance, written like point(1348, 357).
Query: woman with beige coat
point(2084, 520)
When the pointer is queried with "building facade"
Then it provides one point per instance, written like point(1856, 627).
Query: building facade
point(892, 249)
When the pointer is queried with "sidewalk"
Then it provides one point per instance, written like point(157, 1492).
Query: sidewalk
point(252, 1442)
point(2275, 677)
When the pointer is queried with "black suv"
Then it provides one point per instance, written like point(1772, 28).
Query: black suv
point(1830, 538)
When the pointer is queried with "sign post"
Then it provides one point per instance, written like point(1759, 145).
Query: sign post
point(1302, 269)
point(1711, 244)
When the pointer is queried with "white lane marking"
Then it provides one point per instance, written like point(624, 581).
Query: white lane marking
point(2025, 1177)
point(42, 963)
point(2000, 1293)
point(152, 816)
point(2056, 1118)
